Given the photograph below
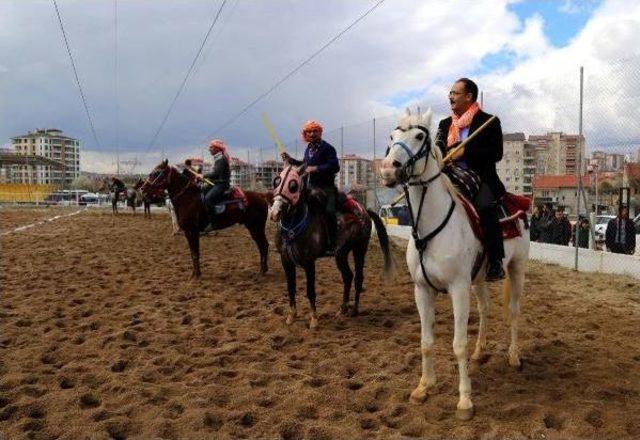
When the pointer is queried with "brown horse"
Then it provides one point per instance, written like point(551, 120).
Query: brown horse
point(156, 197)
point(192, 216)
point(302, 238)
point(130, 195)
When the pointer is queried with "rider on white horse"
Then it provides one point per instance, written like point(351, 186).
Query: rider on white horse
point(479, 156)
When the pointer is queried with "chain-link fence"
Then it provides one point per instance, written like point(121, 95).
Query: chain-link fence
point(542, 116)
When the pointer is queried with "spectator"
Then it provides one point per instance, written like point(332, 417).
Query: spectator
point(560, 228)
point(621, 233)
point(582, 229)
point(536, 220)
point(544, 224)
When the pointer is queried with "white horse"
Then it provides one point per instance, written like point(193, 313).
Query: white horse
point(452, 248)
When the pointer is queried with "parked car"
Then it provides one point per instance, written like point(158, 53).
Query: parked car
point(600, 227)
point(395, 215)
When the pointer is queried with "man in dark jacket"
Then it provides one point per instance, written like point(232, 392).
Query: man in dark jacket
point(220, 176)
point(322, 164)
point(117, 186)
point(621, 233)
point(559, 228)
point(581, 233)
point(544, 223)
point(480, 155)
point(535, 223)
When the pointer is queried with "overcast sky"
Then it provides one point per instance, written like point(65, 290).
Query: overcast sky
point(524, 55)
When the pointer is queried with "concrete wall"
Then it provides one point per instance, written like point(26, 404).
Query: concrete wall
point(588, 260)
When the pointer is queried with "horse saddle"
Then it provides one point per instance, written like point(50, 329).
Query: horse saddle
point(351, 210)
point(234, 197)
point(512, 208)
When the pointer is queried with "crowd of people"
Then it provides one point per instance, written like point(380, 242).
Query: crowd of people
point(549, 225)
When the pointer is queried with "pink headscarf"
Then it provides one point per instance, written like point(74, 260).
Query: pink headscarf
point(308, 126)
point(218, 146)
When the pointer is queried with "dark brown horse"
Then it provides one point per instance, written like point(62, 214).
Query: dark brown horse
point(192, 216)
point(156, 197)
point(130, 195)
point(302, 238)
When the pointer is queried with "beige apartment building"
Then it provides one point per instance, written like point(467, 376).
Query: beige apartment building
point(52, 144)
point(518, 164)
point(557, 153)
point(355, 172)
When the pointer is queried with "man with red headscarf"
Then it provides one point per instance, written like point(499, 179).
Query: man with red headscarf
point(322, 164)
point(480, 155)
point(220, 176)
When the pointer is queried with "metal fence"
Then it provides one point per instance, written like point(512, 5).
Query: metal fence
point(538, 101)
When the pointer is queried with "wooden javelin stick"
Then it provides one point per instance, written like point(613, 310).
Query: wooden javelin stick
point(272, 133)
point(198, 175)
point(452, 152)
point(468, 139)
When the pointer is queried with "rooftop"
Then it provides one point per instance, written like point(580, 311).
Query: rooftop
point(44, 132)
point(554, 181)
point(513, 137)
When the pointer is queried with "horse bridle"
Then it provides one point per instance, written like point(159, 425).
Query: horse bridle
point(406, 174)
point(161, 174)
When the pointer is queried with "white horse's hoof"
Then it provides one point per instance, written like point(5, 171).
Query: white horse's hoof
point(313, 323)
point(290, 319)
point(418, 396)
point(465, 414)
point(514, 358)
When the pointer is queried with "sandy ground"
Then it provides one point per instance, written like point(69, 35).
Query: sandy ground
point(12, 217)
point(101, 337)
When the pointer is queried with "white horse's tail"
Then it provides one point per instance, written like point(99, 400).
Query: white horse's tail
point(506, 299)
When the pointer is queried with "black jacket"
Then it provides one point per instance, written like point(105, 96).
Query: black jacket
point(323, 156)
point(221, 172)
point(483, 152)
point(630, 237)
point(535, 227)
point(560, 231)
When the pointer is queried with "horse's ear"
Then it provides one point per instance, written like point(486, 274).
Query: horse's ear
point(426, 118)
point(165, 162)
point(407, 111)
point(302, 169)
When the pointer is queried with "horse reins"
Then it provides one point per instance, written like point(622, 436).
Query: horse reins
point(406, 173)
point(169, 170)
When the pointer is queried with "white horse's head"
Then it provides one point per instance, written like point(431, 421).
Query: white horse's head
point(411, 152)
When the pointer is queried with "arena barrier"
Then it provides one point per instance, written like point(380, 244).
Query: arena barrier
point(25, 193)
point(588, 260)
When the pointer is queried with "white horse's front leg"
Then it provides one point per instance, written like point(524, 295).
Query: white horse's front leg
point(460, 297)
point(426, 308)
point(482, 296)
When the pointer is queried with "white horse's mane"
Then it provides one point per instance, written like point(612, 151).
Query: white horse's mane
point(410, 119)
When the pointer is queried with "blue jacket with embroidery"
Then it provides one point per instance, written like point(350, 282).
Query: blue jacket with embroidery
point(324, 157)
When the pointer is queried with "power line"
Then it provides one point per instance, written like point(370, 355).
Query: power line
point(115, 75)
point(300, 66)
point(186, 77)
point(75, 72)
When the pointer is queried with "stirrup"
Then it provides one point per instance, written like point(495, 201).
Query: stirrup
point(209, 228)
point(497, 276)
